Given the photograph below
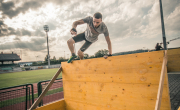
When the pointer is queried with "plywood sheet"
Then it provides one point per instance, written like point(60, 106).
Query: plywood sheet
point(125, 82)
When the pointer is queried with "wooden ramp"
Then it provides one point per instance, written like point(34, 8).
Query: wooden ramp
point(125, 82)
point(173, 60)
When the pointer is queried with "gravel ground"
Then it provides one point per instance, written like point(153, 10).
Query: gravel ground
point(174, 89)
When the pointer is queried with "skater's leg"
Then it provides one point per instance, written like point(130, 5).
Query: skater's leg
point(80, 54)
point(70, 43)
point(83, 48)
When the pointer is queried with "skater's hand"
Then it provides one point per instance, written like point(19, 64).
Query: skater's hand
point(106, 56)
point(73, 31)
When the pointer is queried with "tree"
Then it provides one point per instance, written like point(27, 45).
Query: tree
point(34, 63)
point(61, 58)
point(46, 58)
point(92, 56)
point(86, 56)
point(101, 53)
point(54, 58)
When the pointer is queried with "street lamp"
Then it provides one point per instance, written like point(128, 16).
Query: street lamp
point(46, 29)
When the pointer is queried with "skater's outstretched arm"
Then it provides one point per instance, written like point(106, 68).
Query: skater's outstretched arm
point(79, 22)
point(109, 46)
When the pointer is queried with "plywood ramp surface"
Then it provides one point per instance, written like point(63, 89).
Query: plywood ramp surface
point(58, 105)
point(173, 63)
point(125, 82)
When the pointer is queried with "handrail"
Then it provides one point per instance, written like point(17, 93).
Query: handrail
point(161, 82)
point(45, 90)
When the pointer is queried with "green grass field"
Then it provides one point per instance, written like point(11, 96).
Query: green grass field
point(24, 77)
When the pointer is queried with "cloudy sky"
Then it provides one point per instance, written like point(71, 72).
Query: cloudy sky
point(132, 24)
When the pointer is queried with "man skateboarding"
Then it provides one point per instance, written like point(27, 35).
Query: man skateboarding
point(95, 26)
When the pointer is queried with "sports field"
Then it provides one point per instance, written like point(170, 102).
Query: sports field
point(24, 77)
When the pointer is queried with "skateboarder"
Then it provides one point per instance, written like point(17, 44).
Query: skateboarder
point(95, 26)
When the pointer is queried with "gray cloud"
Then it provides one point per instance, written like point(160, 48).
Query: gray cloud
point(121, 28)
point(9, 9)
point(146, 9)
point(78, 16)
point(39, 33)
point(36, 44)
point(17, 39)
point(7, 31)
point(52, 25)
point(24, 32)
point(169, 6)
point(58, 2)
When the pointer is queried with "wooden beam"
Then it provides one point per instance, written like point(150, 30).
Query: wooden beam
point(161, 82)
point(45, 90)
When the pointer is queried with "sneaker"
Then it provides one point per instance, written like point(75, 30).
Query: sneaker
point(71, 59)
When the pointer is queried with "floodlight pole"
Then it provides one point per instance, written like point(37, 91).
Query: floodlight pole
point(162, 25)
point(46, 29)
point(48, 51)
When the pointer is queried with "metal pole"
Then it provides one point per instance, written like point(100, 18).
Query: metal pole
point(48, 51)
point(26, 97)
point(162, 25)
point(32, 91)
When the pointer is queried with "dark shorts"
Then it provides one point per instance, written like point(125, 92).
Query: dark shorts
point(81, 37)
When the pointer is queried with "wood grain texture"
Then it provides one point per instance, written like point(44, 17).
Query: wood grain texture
point(173, 51)
point(125, 82)
point(173, 63)
point(58, 105)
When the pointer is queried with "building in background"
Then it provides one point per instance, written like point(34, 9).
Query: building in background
point(8, 58)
